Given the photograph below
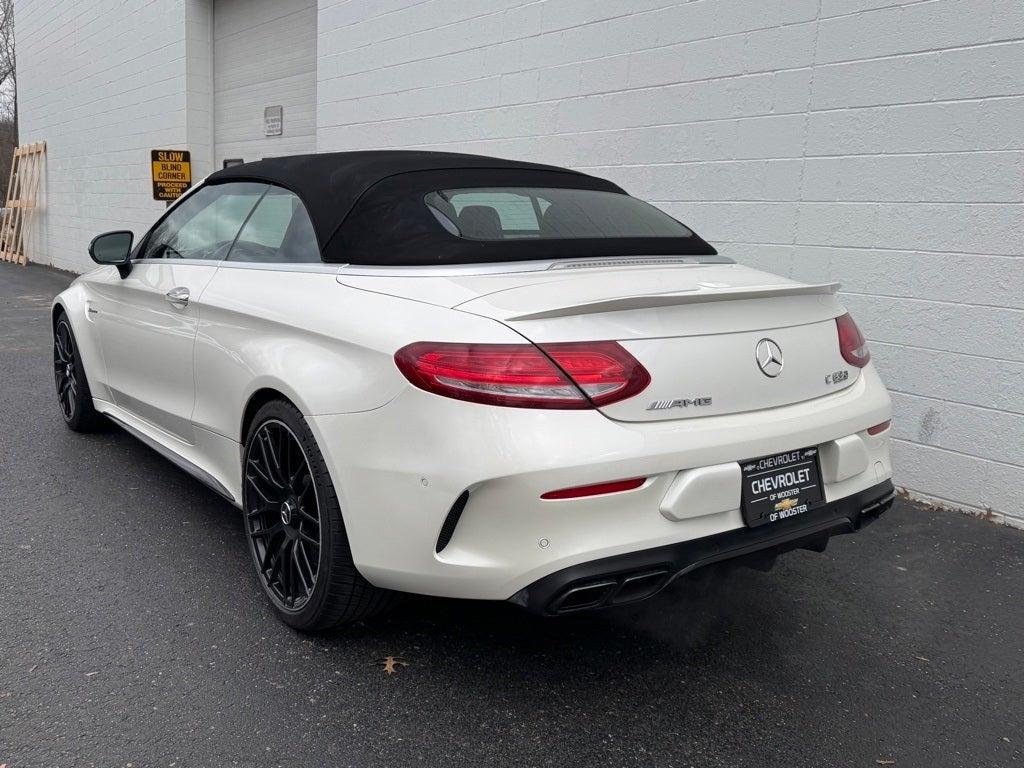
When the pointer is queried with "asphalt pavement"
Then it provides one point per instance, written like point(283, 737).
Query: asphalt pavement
point(133, 632)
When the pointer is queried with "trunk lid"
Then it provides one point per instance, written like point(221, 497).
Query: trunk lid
point(696, 328)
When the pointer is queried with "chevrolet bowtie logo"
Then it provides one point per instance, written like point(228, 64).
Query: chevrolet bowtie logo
point(785, 504)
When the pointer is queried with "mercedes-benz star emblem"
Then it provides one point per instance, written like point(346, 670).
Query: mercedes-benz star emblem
point(769, 357)
point(287, 510)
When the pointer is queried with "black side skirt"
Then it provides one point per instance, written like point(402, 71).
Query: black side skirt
point(639, 575)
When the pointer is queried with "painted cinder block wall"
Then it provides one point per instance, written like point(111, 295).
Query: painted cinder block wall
point(876, 142)
point(99, 94)
point(103, 82)
point(873, 142)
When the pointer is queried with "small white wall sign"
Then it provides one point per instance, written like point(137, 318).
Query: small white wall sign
point(273, 121)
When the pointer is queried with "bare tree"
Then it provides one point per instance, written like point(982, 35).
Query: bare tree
point(8, 92)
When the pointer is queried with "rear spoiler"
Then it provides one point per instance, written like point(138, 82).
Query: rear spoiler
point(696, 296)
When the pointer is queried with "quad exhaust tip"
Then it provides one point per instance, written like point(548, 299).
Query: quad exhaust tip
point(612, 590)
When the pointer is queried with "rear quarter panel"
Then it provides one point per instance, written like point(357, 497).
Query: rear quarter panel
point(328, 347)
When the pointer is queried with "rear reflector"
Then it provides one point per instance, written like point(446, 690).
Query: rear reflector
point(852, 344)
point(598, 489)
point(878, 428)
point(569, 376)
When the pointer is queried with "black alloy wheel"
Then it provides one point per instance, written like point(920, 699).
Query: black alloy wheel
point(65, 364)
point(73, 393)
point(282, 515)
point(294, 527)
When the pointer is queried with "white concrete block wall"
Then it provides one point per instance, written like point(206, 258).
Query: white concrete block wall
point(264, 55)
point(876, 142)
point(199, 100)
point(103, 83)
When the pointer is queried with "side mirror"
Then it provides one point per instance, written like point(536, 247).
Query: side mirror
point(113, 248)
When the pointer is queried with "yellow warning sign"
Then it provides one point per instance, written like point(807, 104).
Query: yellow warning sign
point(172, 173)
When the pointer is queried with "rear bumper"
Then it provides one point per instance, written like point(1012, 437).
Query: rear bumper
point(401, 470)
point(638, 575)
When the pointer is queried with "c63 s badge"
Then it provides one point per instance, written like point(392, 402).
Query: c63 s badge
point(660, 405)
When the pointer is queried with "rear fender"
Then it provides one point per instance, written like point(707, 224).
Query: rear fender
point(327, 347)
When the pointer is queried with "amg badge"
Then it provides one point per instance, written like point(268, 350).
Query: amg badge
point(660, 405)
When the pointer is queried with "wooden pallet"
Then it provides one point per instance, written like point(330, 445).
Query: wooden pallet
point(16, 227)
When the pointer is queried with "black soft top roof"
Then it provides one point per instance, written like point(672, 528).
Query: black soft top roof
point(366, 207)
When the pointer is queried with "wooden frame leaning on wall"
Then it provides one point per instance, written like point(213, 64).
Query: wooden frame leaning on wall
point(22, 194)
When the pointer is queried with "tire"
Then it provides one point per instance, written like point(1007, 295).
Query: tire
point(278, 499)
point(73, 394)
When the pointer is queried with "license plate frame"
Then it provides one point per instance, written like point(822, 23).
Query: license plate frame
point(781, 486)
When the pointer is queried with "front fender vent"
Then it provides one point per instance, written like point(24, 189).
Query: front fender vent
point(451, 521)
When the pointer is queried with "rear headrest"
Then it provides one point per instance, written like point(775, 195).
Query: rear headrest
point(480, 221)
point(565, 221)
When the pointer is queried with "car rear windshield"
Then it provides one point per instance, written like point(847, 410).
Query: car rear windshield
point(490, 215)
point(539, 213)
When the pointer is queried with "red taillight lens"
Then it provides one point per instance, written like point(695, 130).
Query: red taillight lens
point(598, 489)
point(522, 376)
point(604, 370)
point(518, 375)
point(852, 344)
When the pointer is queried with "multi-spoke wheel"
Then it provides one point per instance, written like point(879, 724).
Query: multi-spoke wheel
point(294, 526)
point(64, 369)
point(73, 393)
point(283, 515)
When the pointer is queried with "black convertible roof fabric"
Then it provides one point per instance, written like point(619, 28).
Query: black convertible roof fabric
point(367, 207)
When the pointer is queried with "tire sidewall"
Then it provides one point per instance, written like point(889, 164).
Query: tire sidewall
point(309, 613)
point(79, 419)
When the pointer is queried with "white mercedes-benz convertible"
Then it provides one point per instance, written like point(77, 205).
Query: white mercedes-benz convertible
point(471, 377)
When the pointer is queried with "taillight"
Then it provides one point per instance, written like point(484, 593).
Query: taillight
point(880, 428)
point(604, 370)
point(852, 344)
point(523, 376)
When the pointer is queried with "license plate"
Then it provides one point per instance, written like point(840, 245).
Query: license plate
point(782, 486)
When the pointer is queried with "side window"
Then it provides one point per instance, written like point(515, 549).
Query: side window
point(205, 224)
point(278, 232)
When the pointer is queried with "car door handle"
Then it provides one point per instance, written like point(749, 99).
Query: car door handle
point(178, 297)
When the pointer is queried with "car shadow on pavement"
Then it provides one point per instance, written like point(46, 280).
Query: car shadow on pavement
point(716, 607)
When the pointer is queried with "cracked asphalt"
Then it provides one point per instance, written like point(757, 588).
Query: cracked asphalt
point(132, 631)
